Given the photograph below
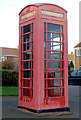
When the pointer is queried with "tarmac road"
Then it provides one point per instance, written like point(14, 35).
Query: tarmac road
point(9, 104)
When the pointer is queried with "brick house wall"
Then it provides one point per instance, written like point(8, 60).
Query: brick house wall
point(13, 60)
point(77, 60)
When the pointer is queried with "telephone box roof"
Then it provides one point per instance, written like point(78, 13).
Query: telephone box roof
point(42, 4)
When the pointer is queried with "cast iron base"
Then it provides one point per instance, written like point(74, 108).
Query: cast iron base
point(46, 110)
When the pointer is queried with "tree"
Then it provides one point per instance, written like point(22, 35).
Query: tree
point(71, 64)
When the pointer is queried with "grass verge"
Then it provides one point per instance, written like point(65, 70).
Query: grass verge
point(8, 91)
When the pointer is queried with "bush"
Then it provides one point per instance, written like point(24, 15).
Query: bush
point(6, 65)
point(9, 78)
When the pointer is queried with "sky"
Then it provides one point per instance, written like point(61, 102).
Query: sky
point(9, 20)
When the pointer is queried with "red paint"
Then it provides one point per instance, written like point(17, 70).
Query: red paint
point(35, 91)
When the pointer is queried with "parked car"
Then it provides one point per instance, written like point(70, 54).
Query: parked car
point(75, 77)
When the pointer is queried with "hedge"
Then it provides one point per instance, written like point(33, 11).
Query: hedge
point(9, 78)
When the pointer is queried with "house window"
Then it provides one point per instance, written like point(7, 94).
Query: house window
point(1, 58)
point(78, 52)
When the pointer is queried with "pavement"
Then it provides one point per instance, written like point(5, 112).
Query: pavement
point(9, 104)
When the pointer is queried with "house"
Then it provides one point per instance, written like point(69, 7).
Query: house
point(10, 55)
point(77, 56)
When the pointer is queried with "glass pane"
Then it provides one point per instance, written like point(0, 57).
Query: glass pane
point(53, 83)
point(27, 65)
point(44, 35)
point(45, 83)
point(62, 55)
point(62, 65)
point(57, 91)
point(62, 83)
point(26, 83)
point(61, 28)
point(44, 45)
point(26, 92)
point(53, 55)
point(44, 26)
point(53, 64)
point(27, 37)
point(53, 37)
point(53, 27)
point(44, 64)
point(27, 46)
point(62, 73)
point(44, 73)
point(54, 92)
point(27, 74)
point(80, 52)
point(61, 46)
point(27, 55)
point(53, 46)
point(27, 28)
point(44, 54)
point(62, 92)
point(61, 37)
point(53, 73)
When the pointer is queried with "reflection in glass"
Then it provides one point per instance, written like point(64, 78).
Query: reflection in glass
point(54, 92)
point(53, 27)
point(61, 28)
point(53, 46)
point(62, 55)
point(53, 64)
point(27, 55)
point(53, 55)
point(62, 73)
point(27, 65)
point(45, 26)
point(53, 73)
point(26, 83)
point(44, 45)
point(27, 37)
point(53, 83)
point(27, 28)
point(26, 92)
point(62, 64)
point(44, 35)
point(61, 37)
point(27, 46)
point(53, 37)
point(44, 73)
point(44, 64)
point(27, 74)
point(44, 54)
point(61, 46)
point(62, 92)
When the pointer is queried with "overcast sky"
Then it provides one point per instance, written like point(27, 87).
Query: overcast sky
point(9, 20)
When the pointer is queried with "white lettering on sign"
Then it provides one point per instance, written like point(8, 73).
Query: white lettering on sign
point(28, 14)
point(45, 12)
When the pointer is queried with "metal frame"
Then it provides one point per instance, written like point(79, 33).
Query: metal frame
point(61, 51)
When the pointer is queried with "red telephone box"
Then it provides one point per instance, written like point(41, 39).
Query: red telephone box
point(43, 58)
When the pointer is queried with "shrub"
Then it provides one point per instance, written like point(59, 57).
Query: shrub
point(9, 78)
point(6, 65)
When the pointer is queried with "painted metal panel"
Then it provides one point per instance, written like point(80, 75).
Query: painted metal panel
point(38, 99)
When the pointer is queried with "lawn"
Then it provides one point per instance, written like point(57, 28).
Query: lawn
point(8, 91)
